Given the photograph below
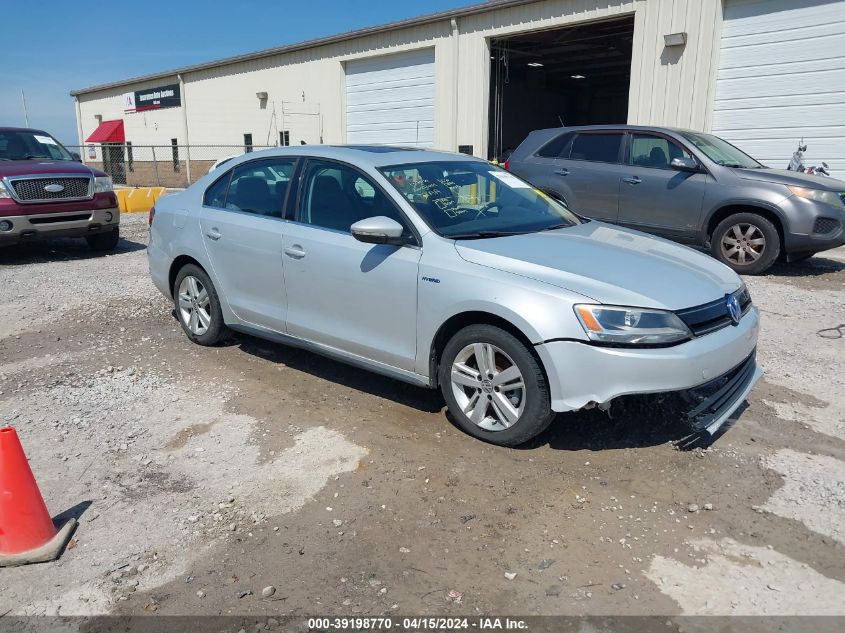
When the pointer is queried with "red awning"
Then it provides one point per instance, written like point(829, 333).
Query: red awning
point(108, 132)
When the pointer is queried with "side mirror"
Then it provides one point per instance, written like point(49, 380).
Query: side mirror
point(378, 230)
point(684, 164)
point(76, 157)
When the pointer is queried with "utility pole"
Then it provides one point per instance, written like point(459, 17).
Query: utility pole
point(25, 113)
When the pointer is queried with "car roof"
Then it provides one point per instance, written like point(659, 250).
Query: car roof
point(22, 129)
point(639, 128)
point(365, 155)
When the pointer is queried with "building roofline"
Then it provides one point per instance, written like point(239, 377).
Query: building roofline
point(321, 41)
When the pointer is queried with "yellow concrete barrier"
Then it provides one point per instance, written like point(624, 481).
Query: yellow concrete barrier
point(138, 200)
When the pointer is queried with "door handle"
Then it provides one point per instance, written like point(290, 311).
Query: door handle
point(633, 180)
point(295, 251)
point(562, 172)
point(214, 234)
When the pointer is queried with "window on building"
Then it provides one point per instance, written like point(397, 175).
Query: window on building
point(654, 151)
point(601, 148)
point(174, 147)
point(284, 138)
point(130, 158)
point(247, 142)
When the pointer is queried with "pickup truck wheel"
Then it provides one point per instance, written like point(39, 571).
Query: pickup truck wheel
point(494, 386)
point(747, 242)
point(104, 241)
point(198, 306)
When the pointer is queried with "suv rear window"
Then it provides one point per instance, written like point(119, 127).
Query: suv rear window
point(557, 148)
point(601, 148)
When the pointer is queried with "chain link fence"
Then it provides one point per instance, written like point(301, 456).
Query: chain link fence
point(172, 166)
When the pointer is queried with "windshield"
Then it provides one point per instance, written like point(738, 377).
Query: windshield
point(474, 199)
point(19, 145)
point(721, 152)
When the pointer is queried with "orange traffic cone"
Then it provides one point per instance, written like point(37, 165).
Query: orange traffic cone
point(27, 533)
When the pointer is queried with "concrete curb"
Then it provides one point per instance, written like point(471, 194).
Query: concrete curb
point(51, 550)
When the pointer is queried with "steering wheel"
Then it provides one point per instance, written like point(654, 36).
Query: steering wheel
point(482, 212)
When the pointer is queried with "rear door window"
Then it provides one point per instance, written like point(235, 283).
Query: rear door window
point(260, 186)
point(600, 148)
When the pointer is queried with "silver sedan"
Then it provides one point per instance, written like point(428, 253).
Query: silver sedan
point(448, 272)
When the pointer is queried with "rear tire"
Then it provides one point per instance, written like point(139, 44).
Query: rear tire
point(104, 241)
point(198, 306)
point(503, 398)
point(747, 242)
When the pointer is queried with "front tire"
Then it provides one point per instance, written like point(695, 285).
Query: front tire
point(494, 386)
point(747, 242)
point(103, 242)
point(198, 306)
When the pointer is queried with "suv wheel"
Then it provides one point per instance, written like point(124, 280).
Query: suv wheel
point(104, 241)
point(747, 242)
point(494, 386)
point(198, 306)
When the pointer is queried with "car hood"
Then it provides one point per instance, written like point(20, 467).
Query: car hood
point(33, 167)
point(794, 178)
point(608, 264)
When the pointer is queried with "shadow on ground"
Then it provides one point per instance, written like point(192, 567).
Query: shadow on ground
point(58, 250)
point(812, 267)
point(634, 422)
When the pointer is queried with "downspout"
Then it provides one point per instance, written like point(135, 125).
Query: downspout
point(79, 126)
point(456, 86)
point(185, 128)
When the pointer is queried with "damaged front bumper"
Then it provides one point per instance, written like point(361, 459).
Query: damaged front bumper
point(715, 372)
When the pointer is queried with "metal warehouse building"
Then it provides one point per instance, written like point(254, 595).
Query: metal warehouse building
point(761, 73)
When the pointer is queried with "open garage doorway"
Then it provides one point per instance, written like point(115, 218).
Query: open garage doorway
point(575, 75)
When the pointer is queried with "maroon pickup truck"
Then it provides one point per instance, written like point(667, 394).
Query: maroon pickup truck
point(47, 192)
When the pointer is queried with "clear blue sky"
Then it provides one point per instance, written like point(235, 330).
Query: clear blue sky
point(50, 47)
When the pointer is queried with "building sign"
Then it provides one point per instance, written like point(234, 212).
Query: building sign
point(152, 99)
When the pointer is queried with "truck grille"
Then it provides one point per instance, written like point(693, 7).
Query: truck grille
point(713, 316)
point(33, 189)
point(825, 225)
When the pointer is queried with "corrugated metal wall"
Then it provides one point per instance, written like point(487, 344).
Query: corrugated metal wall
point(668, 86)
point(782, 78)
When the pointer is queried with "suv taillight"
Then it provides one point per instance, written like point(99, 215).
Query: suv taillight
point(152, 214)
point(507, 165)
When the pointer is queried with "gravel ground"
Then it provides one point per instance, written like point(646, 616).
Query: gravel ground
point(255, 479)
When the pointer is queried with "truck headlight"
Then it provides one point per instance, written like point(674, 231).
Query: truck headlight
point(4, 193)
point(631, 326)
point(103, 184)
point(818, 195)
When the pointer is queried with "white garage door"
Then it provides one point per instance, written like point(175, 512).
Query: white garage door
point(782, 77)
point(390, 100)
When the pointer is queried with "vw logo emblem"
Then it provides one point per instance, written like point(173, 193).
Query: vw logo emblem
point(734, 309)
point(487, 385)
point(54, 188)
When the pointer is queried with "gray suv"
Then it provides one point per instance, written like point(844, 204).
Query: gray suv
point(686, 186)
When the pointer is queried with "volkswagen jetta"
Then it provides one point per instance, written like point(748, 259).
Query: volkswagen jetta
point(445, 271)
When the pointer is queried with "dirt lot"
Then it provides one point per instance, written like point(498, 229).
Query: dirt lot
point(203, 476)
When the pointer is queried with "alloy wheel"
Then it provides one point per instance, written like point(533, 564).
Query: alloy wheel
point(488, 386)
point(194, 305)
point(743, 243)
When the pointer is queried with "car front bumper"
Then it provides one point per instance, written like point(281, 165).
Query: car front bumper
point(801, 234)
point(66, 224)
point(582, 375)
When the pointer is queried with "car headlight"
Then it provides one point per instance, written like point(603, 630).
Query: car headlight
point(827, 197)
point(103, 184)
point(631, 326)
point(4, 193)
